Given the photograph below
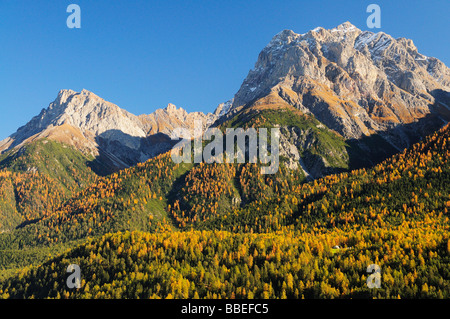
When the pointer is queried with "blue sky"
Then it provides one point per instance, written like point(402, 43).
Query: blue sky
point(141, 55)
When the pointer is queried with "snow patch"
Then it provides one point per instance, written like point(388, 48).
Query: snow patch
point(317, 29)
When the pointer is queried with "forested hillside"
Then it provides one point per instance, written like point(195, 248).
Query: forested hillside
point(58, 161)
point(225, 231)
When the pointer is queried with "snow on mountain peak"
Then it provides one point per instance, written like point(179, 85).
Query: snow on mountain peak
point(361, 66)
point(317, 29)
point(223, 108)
point(344, 27)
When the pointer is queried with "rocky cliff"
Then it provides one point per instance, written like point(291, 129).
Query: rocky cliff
point(355, 82)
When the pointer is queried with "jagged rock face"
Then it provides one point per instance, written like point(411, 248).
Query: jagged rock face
point(166, 120)
point(103, 129)
point(223, 108)
point(295, 145)
point(355, 82)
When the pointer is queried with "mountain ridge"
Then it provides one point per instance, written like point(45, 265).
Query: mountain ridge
point(102, 129)
point(356, 83)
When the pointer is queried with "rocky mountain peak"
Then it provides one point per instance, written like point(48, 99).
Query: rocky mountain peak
point(223, 108)
point(345, 27)
point(355, 82)
point(283, 37)
point(64, 93)
point(173, 111)
point(171, 108)
point(104, 129)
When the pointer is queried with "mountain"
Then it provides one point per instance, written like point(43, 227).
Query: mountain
point(115, 137)
point(305, 143)
point(343, 98)
point(324, 89)
point(159, 229)
point(355, 82)
point(379, 93)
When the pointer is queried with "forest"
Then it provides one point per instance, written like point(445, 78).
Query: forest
point(166, 230)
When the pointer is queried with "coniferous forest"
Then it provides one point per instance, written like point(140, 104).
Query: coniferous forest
point(166, 230)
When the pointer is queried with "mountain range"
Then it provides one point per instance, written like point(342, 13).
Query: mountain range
point(363, 179)
point(370, 94)
point(99, 128)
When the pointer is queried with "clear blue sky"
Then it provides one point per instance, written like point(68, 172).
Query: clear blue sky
point(142, 55)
